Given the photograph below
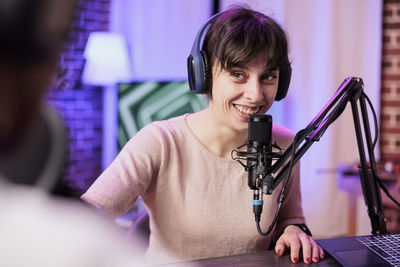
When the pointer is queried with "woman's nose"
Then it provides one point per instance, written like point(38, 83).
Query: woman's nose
point(254, 92)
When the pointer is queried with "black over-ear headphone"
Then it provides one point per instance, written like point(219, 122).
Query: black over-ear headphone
point(199, 68)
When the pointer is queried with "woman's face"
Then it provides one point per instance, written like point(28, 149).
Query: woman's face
point(247, 90)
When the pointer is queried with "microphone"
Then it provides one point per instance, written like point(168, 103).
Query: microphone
point(259, 143)
point(258, 158)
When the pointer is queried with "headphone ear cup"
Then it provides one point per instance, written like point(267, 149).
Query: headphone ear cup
point(199, 73)
point(191, 73)
point(199, 68)
point(207, 76)
point(284, 82)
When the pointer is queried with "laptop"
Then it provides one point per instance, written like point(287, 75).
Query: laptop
point(370, 250)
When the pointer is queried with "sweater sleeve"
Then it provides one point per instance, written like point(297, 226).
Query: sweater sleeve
point(131, 173)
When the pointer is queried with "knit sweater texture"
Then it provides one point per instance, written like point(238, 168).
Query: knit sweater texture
point(199, 204)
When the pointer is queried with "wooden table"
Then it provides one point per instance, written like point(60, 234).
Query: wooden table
point(264, 258)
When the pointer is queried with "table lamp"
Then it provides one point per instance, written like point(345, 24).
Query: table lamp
point(107, 63)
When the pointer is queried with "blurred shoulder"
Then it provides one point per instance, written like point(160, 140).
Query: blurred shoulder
point(74, 233)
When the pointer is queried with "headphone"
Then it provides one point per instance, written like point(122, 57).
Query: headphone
point(199, 69)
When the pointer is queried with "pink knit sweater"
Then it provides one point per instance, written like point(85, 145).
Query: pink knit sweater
point(199, 204)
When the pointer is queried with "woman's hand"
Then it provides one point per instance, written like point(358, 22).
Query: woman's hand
point(294, 238)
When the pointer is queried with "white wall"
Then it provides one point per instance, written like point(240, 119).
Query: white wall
point(160, 34)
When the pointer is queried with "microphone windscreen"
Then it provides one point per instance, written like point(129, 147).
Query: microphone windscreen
point(259, 143)
point(260, 128)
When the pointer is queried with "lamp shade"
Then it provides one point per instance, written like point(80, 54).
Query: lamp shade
point(107, 59)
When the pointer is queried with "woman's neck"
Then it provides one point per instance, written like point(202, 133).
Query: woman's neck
point(216, 138)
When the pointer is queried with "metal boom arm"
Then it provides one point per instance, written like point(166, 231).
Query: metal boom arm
point(351, 90)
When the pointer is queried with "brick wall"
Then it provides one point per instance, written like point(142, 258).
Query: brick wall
point(79, 105)
point(390, 94)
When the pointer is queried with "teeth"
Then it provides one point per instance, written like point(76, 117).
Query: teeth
point(246, 110)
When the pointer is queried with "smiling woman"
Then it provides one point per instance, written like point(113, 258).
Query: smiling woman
point(240, 92)
point(196, 196)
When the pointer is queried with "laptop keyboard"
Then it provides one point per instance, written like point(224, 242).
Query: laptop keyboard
point(387, 246)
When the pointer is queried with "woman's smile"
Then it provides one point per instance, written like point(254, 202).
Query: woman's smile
point(246, 110)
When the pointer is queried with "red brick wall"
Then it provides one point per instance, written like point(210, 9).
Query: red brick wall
point(390, 90)
point(80, 106)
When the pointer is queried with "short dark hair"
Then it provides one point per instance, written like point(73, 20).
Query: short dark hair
point(240, 33)
point(33, 31)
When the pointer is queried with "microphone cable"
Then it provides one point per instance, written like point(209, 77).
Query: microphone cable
point(282, 193)
point(374, 174)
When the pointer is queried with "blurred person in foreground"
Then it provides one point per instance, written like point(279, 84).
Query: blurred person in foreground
point(37, 229)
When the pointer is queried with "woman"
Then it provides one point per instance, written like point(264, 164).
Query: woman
point(197, 197)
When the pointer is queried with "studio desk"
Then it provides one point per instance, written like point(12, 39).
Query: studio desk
point(349, 181)
point(264, 258)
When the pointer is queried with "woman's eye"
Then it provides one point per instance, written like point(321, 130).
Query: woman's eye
point(238, 75)
point(269, 76)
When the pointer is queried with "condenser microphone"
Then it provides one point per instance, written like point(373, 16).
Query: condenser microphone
point(260, 144)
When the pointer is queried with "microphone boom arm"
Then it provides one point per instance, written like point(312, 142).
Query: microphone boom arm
point(351, 90)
